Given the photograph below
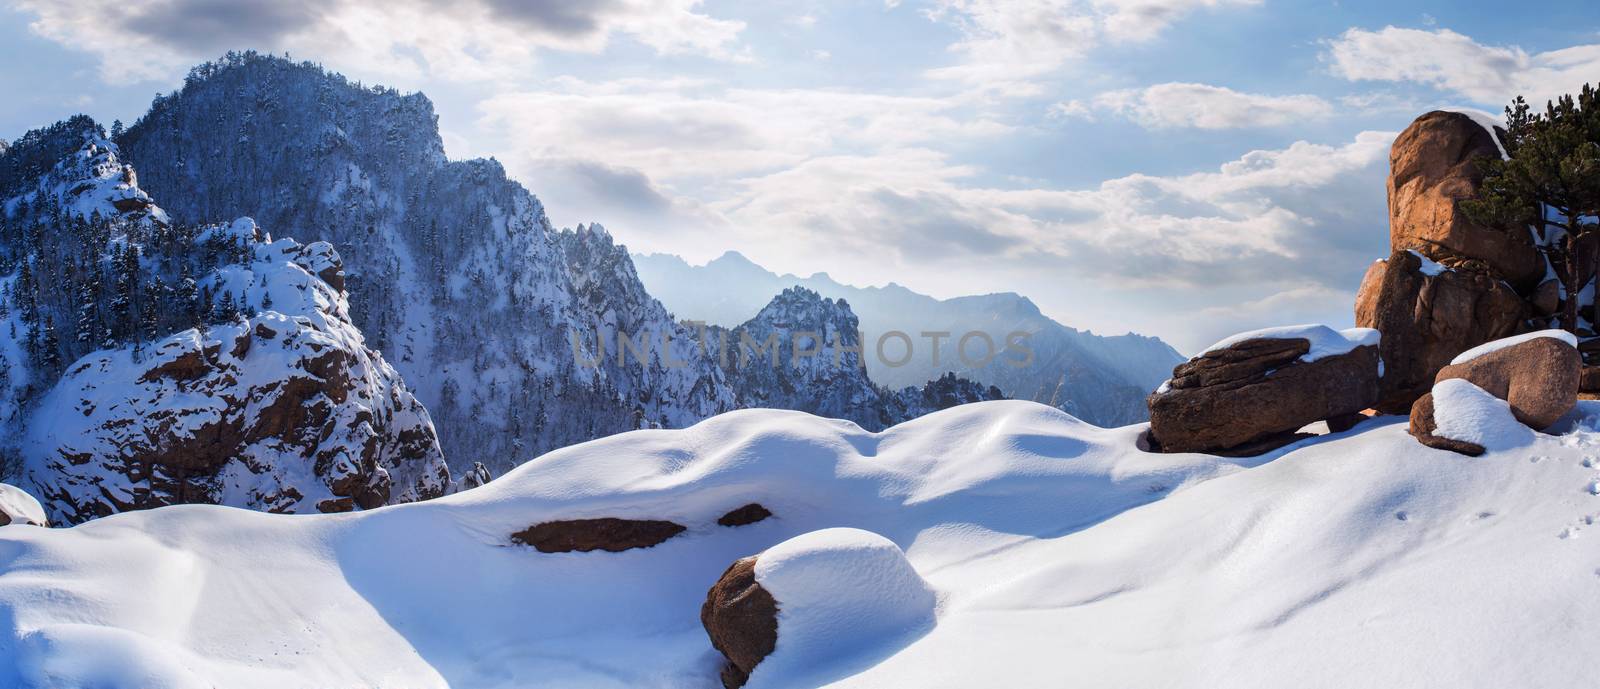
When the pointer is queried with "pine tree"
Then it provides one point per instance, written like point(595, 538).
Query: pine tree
point(1549, 181)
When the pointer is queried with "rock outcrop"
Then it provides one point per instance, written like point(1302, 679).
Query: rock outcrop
point(1432, 168)
point(283, 411)
point(742, 620)
point(1537, 375)
point(842, 591)
point(1258, 390)
point(1428, 314)
point(749, 514)
point(606, 533)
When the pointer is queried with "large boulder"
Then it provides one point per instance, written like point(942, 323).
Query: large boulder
point(1258, 386)
point(1428, 314)
point(741, 618)
point(1537, 374)
point(828, 594)
point(17, 507)
point(1432, 169)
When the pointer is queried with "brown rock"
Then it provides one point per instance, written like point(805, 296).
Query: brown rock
point(1256, 392)
point(1422, 428)
point(1432, 169)
point(742, 620)
point(607, 533)
point(1539, 378)
point(1426, 320)
point(1589, 379)
point(749, 514)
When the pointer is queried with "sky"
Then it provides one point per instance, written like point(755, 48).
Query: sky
point(1179, 168)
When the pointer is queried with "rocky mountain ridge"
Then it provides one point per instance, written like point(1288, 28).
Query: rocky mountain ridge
point(1097, 378)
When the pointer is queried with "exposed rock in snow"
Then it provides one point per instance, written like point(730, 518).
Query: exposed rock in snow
point(1427, 318)
point(1057, 549)
point(18, 507)
point(1252, 392)
point(842, 594)
point(606, 533)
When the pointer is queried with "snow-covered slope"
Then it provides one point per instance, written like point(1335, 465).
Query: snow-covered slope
point(1097, 378)
point(1060, 555)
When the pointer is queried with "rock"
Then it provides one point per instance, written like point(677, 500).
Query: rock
point(1428, 314)
point(749, 514)
point(1589, 379)
point(1258, 392)
point(476, 476)
point(1546, 299)
point(606, 533)
point(843, 592)
point(1340, 424)
point(742, 620)
point(1431, 170)
point(18, 507)
point(1423, 427)
point(1539, 377)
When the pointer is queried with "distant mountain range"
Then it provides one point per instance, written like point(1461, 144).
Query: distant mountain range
point(1100, 379)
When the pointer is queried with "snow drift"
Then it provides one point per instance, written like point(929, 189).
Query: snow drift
point(1060, 554)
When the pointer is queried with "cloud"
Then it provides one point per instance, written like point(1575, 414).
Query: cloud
point(1307, 304)
point(860, 183)
point(1005, 44)
point(461, 40)
point(1452, 62)
point(1201, 106)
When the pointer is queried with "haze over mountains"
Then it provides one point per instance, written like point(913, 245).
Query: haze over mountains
point(1100, 379)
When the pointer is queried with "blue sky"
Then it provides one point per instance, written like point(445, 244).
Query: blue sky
point(1183, 168)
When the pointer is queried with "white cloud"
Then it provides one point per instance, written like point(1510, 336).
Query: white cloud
point(1200, 106)
point(1006, 44)
point(1452, 62)
point(859, 183)
point(461, 40)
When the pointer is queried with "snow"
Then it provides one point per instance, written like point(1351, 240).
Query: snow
point(1502, 343)
point(1488, 122)
point(1430, 267)
point(21, 507)
point(1325, 341)
point(1059, 553)
point(842, 593)
point(1463, 411)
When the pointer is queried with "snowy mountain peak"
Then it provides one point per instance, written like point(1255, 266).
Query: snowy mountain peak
point(91, 182)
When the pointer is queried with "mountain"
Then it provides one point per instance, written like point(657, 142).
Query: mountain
point(149, 362)
point(802, 351)
point(1100, 379)
point(510, 330)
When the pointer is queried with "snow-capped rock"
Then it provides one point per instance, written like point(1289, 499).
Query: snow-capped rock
point(18, 507)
